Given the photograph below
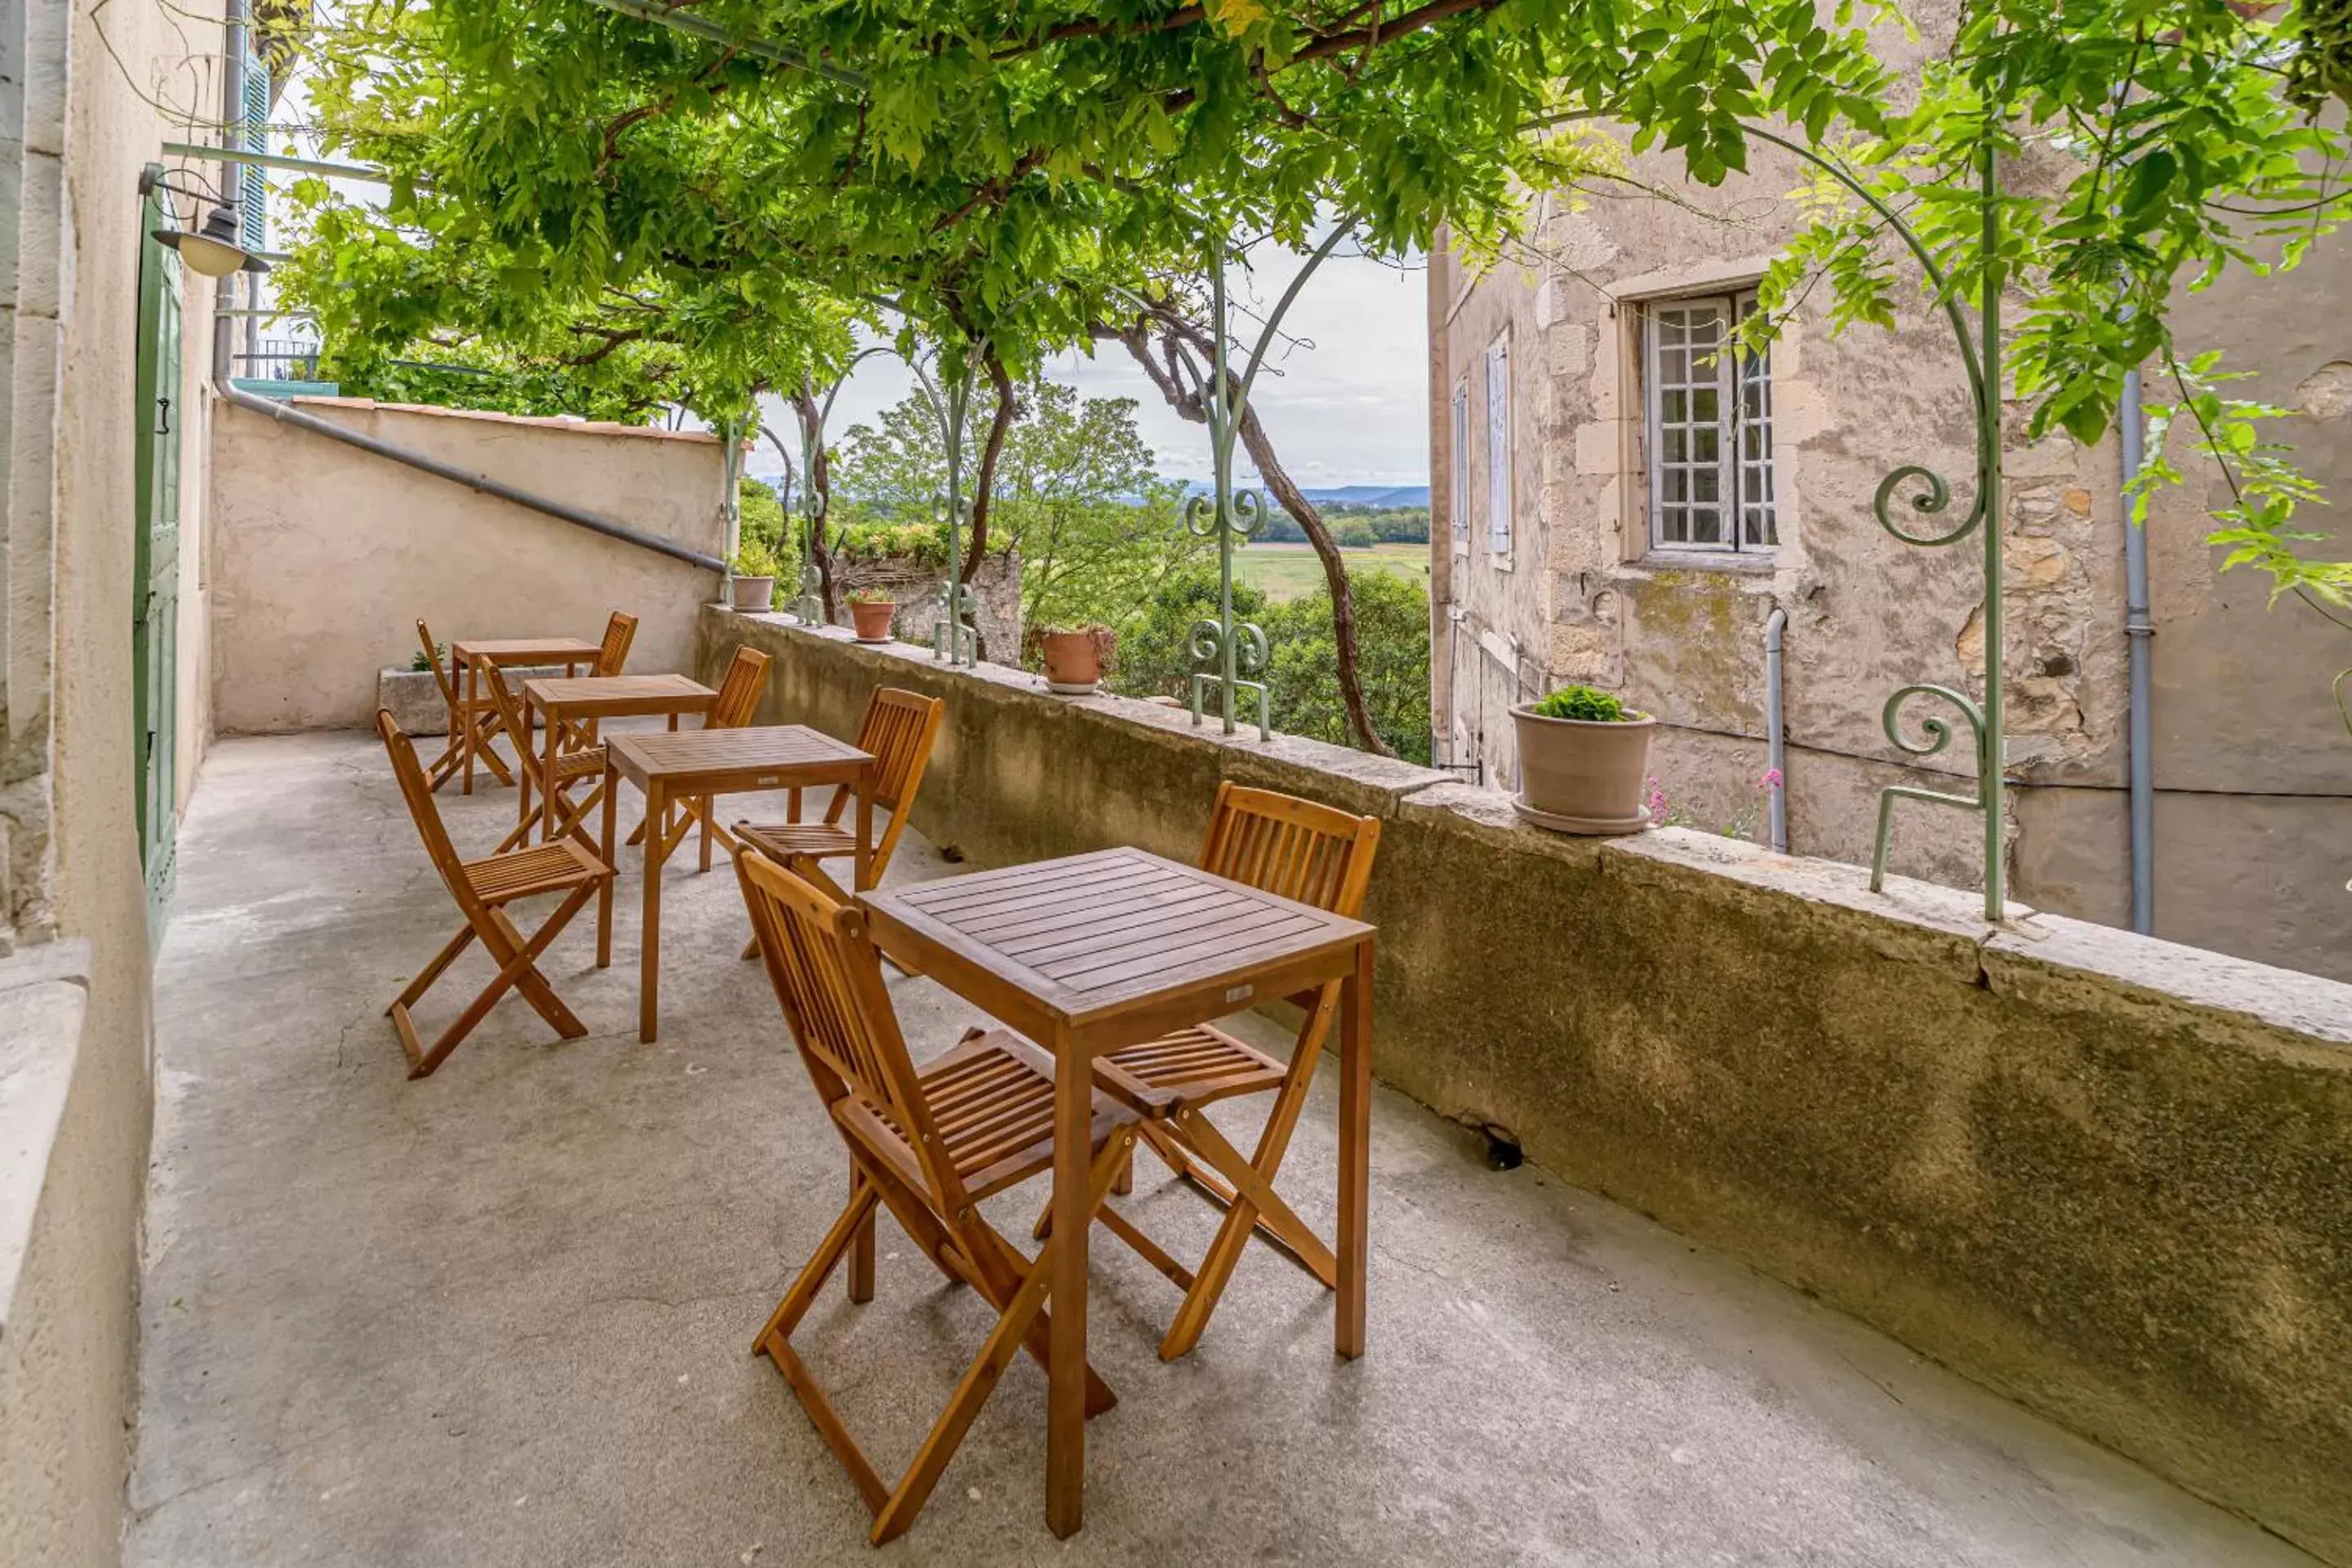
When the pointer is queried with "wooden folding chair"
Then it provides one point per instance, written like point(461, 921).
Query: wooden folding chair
point(585, 764)
point(897, 732)
point(930, 1145)
point(740, 690)
point(484, 720)
point(611, 654)
point(1297, 849)
point(483, 889)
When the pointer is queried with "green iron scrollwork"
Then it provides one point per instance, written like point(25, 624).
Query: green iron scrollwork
point(1982, 356)
point(1230, 655)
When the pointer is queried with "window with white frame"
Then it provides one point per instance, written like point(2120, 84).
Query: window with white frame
point(1710, 429)
point(1498, 445)
point(1460, 450)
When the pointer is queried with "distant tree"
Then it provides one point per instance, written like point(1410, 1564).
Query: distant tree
point(1155, 655)
point(1075, 495)
point(760, 514)
point(1354, 533)
point(1393, 644)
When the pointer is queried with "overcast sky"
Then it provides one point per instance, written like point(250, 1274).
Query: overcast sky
point(1350, 405)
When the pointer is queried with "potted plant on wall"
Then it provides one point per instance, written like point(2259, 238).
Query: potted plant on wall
point(872, 609)
point(754, 570)
point(1075, 657)
point(1583, 756)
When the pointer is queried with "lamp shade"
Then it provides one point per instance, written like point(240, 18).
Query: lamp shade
point(213, 252)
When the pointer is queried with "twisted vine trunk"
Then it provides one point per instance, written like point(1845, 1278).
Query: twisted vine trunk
point(1176, 333)
point(819, 481)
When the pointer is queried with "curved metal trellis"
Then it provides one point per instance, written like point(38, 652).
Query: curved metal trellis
point(1230, 655)
point(808, 605)
point(1981, 355)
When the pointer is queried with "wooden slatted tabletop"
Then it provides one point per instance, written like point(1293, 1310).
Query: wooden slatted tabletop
point(1095, 952)
point(709, 763)
point(505, 652)
point(617, 696)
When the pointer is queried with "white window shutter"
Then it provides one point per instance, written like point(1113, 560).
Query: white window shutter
point(1498, 446)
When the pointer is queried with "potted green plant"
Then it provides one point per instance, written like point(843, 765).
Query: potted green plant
point(755, 571)
point(1075, 657)
point(1583, 756)
point(872, 609)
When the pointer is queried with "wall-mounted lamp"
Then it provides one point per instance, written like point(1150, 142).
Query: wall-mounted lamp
point(212, 251)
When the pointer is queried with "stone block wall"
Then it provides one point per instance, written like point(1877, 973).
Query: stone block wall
point(2102, 1175)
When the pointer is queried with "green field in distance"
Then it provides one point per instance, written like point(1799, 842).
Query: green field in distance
point(1293, 570)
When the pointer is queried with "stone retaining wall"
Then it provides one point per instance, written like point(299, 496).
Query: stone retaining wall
point(2108, 1176)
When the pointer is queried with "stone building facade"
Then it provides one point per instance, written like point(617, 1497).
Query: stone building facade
point(1612, 505)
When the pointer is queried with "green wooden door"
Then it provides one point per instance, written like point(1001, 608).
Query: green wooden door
point(155, 579)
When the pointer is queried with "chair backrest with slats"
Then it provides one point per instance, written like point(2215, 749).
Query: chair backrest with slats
point(418, 791)
point(897, 733)
point(619, 633)
point(1294, 848)
point(447, 679)
point(740, 691)
point(510, 718)
point(828, 979)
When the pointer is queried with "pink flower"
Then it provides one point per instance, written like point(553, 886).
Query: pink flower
point(1770, 780)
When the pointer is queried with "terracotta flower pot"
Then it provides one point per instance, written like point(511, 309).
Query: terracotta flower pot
point(1578, 776)
point(1073, 662)
point(755, 593)
point(873, 618)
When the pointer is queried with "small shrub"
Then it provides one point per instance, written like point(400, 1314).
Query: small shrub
point(418, 662)
point(1584, 702)
point(756, 558)
point(872, 597)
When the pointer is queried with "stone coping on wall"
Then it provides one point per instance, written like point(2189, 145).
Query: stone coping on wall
point(1924, 918)
point(44, 999)
point(492, 415)
point(2104, 1174)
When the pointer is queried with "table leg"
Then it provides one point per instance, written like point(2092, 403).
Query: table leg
point(473, 695)
point(862, 858)
point(547, 771)
point(1065, 1391)
point(1355, 1149)
point(649, 961)
point(604, 898)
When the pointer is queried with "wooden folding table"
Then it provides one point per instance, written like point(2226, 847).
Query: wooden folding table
point(713, 762)
point(1095, 952)
point(585, 699)
point(466, 658)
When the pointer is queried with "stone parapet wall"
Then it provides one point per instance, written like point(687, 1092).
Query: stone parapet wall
point(2102, 1175)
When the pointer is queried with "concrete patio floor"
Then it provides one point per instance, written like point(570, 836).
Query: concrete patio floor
point(504, 1315)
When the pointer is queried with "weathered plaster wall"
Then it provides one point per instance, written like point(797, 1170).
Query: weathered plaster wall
point(81, 111)
point(1682, 637)
point(326, 556)
point(2102, 1173)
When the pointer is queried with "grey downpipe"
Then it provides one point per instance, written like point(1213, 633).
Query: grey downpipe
point(2139, 632)
point(1776, 729)
point(232, 25)
point(593, 523)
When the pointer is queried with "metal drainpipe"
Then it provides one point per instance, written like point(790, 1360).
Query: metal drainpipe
point(2139, 632)
point(233, 29)
point(1776, 734)
point(592, 522)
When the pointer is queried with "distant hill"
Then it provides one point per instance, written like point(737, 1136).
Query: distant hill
point(1375, 497)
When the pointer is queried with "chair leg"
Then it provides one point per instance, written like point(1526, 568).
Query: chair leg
point(431, 972)
point(1255, 1197)
point(775, 1344)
